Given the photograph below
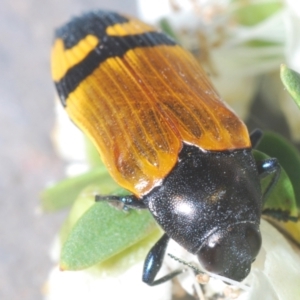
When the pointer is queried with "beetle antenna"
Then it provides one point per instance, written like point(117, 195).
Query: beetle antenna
point(242, 286)
point(190, 265)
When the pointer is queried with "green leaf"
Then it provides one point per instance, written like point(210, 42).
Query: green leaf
point(281, 200)
point(85, 200)
point(291, 81)
point(275, 145)
point(253, 13)
point(66, 191)
point(93, 155)
point(282, 196)
point(103, 232)
point(167, 28)
point(122, 261)
point(255, 43)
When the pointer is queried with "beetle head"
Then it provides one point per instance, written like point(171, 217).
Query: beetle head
point(230, 252)
point(211, 205)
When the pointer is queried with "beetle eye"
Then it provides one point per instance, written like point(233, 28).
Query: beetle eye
point(230, 252)
point(211, 255)
point(253, 238)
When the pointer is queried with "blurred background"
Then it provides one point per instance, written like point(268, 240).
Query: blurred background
point(28, 161)
point(27, 158)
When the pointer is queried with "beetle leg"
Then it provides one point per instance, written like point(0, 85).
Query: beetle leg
point(255, 137)
point(267, 167)
point(280, 215)
point(128, 201)
point(154, 261)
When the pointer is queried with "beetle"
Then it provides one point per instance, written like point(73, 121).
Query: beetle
point(165, 135)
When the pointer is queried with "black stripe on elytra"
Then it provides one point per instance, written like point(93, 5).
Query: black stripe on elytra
point(94, 23)
point(109, 46)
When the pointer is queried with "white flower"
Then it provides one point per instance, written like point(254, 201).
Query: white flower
point(92, 285)
point(236, 50)
point(69, 142)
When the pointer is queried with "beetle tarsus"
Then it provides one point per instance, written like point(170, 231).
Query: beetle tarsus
point(280, 215)
point(167, 277)
point(128, 201)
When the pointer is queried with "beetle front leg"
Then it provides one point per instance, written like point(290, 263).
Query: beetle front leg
point(267, 167)
point(154, 262)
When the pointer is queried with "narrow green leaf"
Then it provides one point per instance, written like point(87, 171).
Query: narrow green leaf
point(256, 12)
point(103, 232)
point(66, 191)
point(274, 145)
point(291, 81)
point(93, 155)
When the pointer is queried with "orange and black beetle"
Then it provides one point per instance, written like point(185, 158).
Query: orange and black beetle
point(164, 134)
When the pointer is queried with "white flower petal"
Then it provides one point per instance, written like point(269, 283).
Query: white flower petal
point(88, 285)
point(68, 139)
point(282, 263)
